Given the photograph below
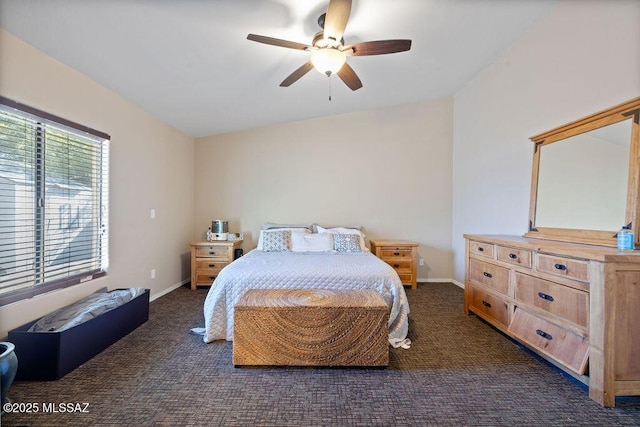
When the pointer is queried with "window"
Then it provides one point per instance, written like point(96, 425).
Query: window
point(53, 202)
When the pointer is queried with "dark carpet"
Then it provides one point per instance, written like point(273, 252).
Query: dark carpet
point(459, 371)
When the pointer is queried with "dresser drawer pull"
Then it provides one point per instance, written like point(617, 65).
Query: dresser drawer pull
point(396, 254)
point(560, 267)
point(545, 296)
point(212, 277)
point(396, 265)
point(544, 335)
point(489, 275)
point(211, 265)
point(480, 249)
point(486, 304)
point(212, 253)
point(513, 256)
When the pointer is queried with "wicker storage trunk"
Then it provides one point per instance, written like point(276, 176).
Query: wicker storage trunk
point(311, 327)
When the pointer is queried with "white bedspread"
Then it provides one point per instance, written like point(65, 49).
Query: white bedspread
point(296, 270)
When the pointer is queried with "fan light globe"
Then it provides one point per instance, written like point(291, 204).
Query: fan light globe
point(328, 60)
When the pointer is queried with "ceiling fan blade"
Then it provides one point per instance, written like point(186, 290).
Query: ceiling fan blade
point(349, 77)
point(379, 47)
point(293, 77)
point(336, 19)
point(277, 42)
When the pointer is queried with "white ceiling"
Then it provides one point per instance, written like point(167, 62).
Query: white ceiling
point(188, 62)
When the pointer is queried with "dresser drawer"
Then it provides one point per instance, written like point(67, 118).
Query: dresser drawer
point(489, 274)
point(563, 301)
point(562, 345)
point(565, 267)
point(212, 251)
point(489, 306)
point(481, 249)
point(519, 257)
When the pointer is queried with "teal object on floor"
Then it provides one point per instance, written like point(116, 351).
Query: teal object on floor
point(8, 367)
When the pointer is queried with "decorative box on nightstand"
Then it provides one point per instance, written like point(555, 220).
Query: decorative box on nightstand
point(400, 255)
point(208, 258)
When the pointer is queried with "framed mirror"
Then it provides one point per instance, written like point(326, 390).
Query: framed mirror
point(586, 178)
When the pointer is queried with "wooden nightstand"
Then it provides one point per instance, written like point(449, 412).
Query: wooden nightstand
point(208, 258)
point(400, 255)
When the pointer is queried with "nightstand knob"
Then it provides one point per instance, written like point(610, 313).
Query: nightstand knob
point(396, 265)
point(212, 277)
point(211, 265)
point(396, 253)
point(211, 253)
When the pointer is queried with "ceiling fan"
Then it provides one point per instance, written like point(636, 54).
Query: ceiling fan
point(328, 51)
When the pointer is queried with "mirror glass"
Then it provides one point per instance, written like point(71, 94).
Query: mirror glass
point(582, 180)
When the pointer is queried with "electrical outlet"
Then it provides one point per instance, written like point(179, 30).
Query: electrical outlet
point(421, 262)
point(153, 273)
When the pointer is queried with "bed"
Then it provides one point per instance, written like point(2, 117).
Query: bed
point(306, 266)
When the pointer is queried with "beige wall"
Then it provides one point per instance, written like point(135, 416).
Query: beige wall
point(388, 170)
point(582, 58)
point(151, 168)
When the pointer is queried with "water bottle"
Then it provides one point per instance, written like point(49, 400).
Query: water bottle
point(625, 239)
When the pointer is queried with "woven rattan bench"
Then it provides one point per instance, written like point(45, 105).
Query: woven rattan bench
point(311, 327)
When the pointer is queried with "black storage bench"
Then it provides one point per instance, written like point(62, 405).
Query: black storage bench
point(45, 356)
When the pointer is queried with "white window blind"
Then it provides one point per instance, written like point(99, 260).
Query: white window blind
point(53, 202)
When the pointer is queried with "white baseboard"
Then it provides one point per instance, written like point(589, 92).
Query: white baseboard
point(455, 282)
point(458, 284)
point(171, 289)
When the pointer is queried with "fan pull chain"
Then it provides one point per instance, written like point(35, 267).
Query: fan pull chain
point(329, 88)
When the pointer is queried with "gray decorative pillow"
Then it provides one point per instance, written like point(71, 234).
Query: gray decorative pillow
point(346, 242)
point(276, 241)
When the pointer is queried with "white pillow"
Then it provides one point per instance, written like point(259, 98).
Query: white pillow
point(306, 242)
point(344, 230)
point(261, 239)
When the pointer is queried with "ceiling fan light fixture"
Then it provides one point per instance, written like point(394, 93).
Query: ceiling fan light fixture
point(328, 60)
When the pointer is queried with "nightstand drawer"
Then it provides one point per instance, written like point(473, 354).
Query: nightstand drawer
point(206, 277)
point(213, 251)
point(202, 265)
point(570, 349)
point(399, 264)
point(489, 274)
point(391, 253)
point(405, 277)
